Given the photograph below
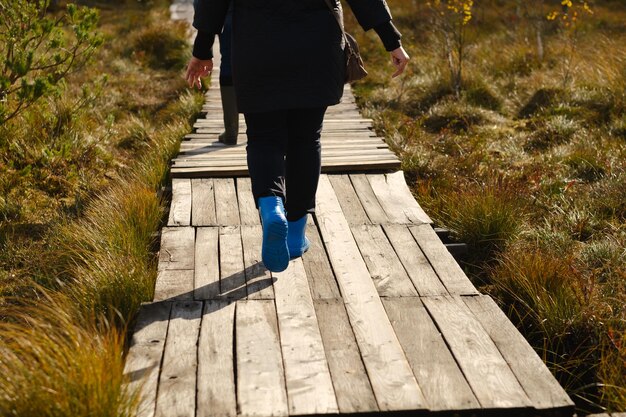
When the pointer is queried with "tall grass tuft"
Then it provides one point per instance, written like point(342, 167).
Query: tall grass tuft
point(54, 364)
point(486, 217)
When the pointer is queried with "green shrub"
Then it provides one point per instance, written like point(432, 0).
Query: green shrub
point(41, 50)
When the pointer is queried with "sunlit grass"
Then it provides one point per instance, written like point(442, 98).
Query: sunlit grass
point(80, 209)
point(55, 364)
point(527, 165)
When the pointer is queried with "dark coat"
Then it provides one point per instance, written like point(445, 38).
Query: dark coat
point(286, 53)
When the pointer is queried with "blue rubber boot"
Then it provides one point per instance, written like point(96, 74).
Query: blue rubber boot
point(297, 242)
point(275, 253)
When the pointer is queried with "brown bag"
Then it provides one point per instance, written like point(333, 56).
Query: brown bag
point(355, 70)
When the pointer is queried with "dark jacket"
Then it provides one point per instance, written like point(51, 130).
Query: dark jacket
point(286, 53)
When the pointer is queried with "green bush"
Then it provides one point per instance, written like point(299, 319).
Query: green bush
point(41, 50)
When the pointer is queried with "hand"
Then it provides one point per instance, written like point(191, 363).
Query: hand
point(400, 59)
point(198, 68)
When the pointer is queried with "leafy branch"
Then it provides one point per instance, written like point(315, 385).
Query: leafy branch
point(38, 51)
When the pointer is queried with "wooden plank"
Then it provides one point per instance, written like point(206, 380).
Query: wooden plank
point(391, 377)
point(327, 167)
point(352, 387)
point(309, 386)
point(207, 271)
point(538, 382)
point(437, 373)
point(174, 285)
point(413, 210)
point(260, 377)
point(348, 200)
point(318, 271)
point(203, 202)
point(415, 263)
point(176, 250)
point(349, 157)
point(248, 212)
point(389, 276)
point(368, 200)
point(199, 149)
point(216, 376)
point(258, 278)
point(226, 206)
point(232, 274)
point(144, 356)
point(396, 199)
point(177, 383)
point(180, 209)
point(204, 154)
point(490, 377)
point(449, 272)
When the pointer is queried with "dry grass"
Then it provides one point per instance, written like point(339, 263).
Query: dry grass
point(528, 166)
point(80, 205)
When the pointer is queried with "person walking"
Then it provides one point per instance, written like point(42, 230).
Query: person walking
point(288, 66)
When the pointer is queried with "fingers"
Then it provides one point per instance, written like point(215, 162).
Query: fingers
point(400, 67)
point(400, 60)
point(195, 70)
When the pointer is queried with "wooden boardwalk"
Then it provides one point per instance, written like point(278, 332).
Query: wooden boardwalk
point(376, 317)
point(348, 143)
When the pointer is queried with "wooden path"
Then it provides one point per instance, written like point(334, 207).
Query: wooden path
point(348, 143)
point(376, 317)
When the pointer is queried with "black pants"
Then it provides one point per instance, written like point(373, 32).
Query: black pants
point(284, 157)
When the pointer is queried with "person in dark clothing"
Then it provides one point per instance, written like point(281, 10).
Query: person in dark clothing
point(288, 67)
point(227, 90)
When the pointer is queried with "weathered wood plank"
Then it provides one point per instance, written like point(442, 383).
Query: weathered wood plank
point(413, 210)
point(309, 386)
point(202, 202)
point(232, 274)
point(318, 271)
point(216, 376)
point(437, 373)
point(226, 206)
point(144, 356)
point(391, 377)
point(258, 278)
point(369, 201)
point(328, 160)
point(538, 382)
point(389, 276)
point(352, 387)
point(449, 272)
point(396, 199)
point(177, 383)
point(176, 250)
point(490, 377)
point(242, 169)
point(207, 271)
point(348, 200)
point(174, 285)
point(247, 210)
point(180, 208)
point(364, 152)
point(415, 263)
point(260, 376)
